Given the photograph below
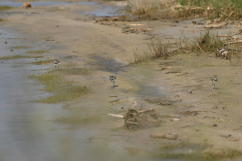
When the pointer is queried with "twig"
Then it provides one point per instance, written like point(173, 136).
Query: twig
point(116, 115)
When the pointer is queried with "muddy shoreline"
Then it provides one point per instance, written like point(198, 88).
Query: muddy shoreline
point(206, 121)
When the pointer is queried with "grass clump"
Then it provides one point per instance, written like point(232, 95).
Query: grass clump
point(207, 43)
point(144, 8)
point(61, 89)
point(156, 49)
point(211, 44)
point(151, 9)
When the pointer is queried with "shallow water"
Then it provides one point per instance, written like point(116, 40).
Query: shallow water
point(105, 11)
point(24, 126)
point(43, 3)
point(42, 132)
point(34, 131)
point(101, 11)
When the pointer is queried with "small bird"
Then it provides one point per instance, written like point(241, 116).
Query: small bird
point(113, 78)
point(56, 61)
point(221, 52)
point(214, 79)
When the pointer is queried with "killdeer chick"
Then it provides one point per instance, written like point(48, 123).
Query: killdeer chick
point(221, 52)
point(214, 80)
point(56, 61)
point(113, 78)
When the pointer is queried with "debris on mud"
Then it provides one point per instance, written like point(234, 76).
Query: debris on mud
point(160, 101)
point(190, 113)
point(135, 119)
point(216, 25)
point(168, 136)
point(135, 28)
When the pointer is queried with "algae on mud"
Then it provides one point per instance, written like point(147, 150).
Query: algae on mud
point(72, 70)
point(61, 89)
point(196, 152)
point(14, 57)
point(20, 47)
point(4, 8)
point(37, 51)
point(43, 62)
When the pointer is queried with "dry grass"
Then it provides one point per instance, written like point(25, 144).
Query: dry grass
point(156, 49)
point(143, 7)
point(223, 9)
point(211, 44)
point(149, 9)
point(207, 43)
point(213, 9)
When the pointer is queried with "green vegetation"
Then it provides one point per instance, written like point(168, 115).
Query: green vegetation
point(213, 9)
point(73, 71)
point(212, 3)
point(3, 8)
point(43, 62)
point(61, 89)
point(78, 119)
point(13, 57)
point(20, 47)
point(37, 52)
point(224, 9)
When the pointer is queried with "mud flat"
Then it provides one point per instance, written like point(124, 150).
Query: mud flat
point(78, 56)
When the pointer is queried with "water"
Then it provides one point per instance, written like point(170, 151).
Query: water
point(102, 10)
point(32, 131)
point(24, 126)
point(43, 3)
point(105, 11)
